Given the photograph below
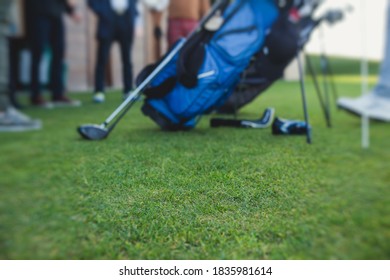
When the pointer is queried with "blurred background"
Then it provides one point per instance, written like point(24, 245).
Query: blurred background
point(81, 46)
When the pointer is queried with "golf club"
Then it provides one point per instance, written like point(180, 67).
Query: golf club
point(264, 122)
point(96, 132)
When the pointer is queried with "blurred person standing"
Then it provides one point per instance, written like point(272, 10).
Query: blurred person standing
point(116, 20)
point(10, 118)
point(376, 104)
point(45, 28)
point(183, 17)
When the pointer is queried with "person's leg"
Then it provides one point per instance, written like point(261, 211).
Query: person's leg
point(157, 33)
point(4, 101)
point(10, 118)
point(15, 46)
point(125, 40)
point(39, 38)
point(103, 52)
point(57, 45)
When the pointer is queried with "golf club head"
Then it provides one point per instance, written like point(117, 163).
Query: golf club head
point(93, 132)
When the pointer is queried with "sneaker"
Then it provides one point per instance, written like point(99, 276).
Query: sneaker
point(64, 101)
point(13, 121)
point(38, 101)
point(99, 97)
point(370, 105)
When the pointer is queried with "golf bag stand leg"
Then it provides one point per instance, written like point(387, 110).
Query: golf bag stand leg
point(304, 98)
point(313, 74)
point(325, 75)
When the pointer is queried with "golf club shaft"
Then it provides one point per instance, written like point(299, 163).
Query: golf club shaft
point(318, 90)
point(324, 71)
point(138, 91)
point(325, 80)
point(122, 114)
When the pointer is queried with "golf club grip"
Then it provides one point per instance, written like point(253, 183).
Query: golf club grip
point(225, 122)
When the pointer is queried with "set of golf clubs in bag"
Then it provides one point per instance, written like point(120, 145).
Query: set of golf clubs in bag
point(237, 51)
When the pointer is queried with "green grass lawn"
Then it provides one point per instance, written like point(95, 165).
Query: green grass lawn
point(205, 194)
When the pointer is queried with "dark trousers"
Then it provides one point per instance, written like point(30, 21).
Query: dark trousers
point(125, 40)
point(16, 45)
point(47, 32)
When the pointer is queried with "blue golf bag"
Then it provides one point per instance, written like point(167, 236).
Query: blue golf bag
point(204, 73)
